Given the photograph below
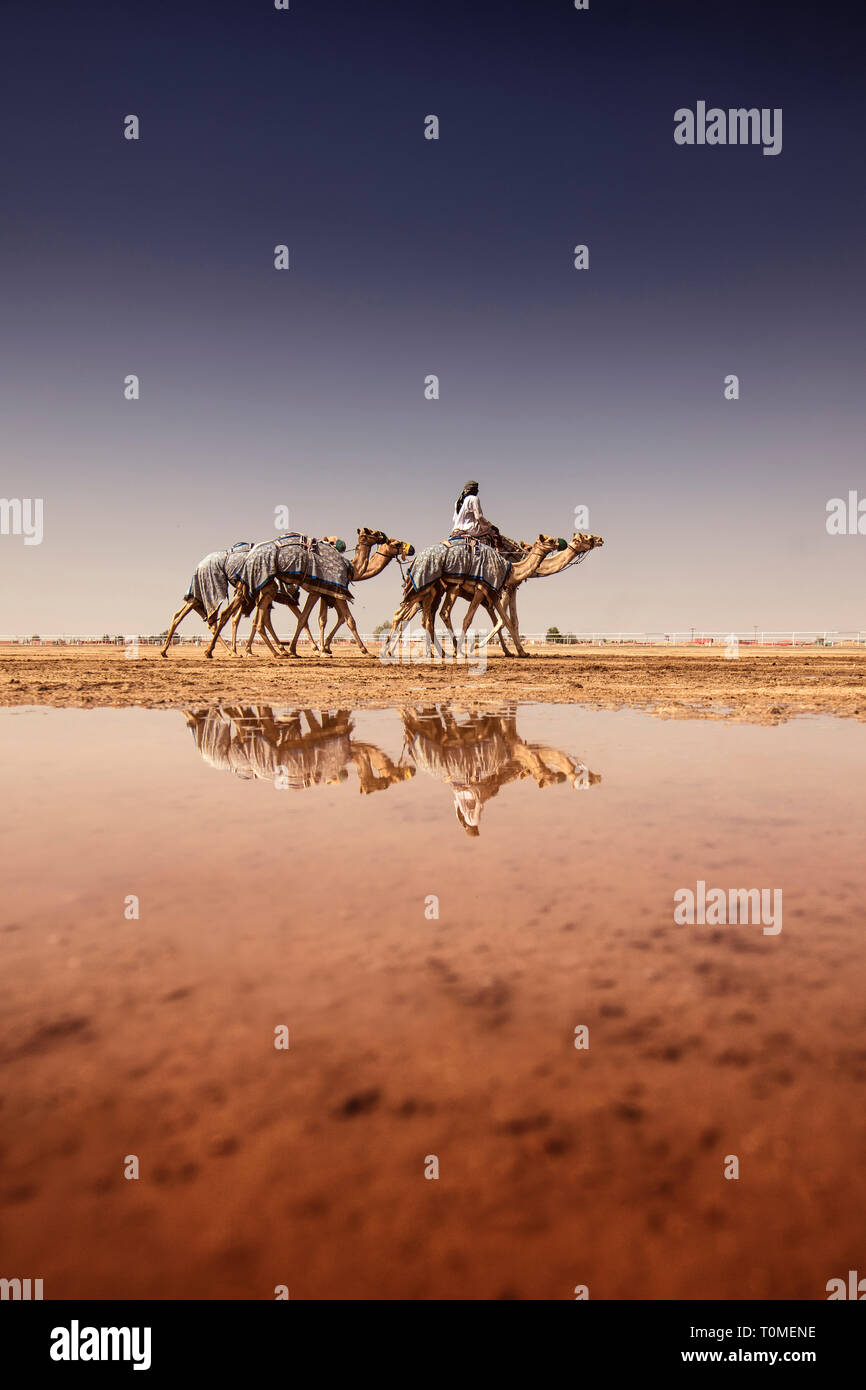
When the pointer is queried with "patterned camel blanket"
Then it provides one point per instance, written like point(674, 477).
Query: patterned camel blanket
point(459, 560)
point(268, 749)
point(461, 765)
point(213, 575)
point(316, 565)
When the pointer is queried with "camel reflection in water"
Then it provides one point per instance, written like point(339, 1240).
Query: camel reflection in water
point(275, 746)
point(480, 753)
point(475, 753)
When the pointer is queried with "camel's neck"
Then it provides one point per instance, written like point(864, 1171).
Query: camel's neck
point(376, 564)
point(522, 569)
point(360, 560)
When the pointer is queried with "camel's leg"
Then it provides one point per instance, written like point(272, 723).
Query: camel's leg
point(344, 615)
point(273, 594)
point(293, 608)
point(241, 609)
point(269, 633)
point(296, 613)
point(235, 625)
point(512, 613)
point(402, 615)
point(495, 630)
point(186, 607)
point(496, 608)
point(264, 624)
point(353, 628)
point(302, 623)
point(474, 604)
point(261, 618)
point(445, 614)
point(428, 615)
point(221, 640)
point(324, 647)
point(504, 621)
point(228, 612)
point(506, 650)
point(254, 626)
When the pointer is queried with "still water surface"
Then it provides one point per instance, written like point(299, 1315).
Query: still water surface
point(431, 900)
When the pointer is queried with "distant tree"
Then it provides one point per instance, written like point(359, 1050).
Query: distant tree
point(382, 630)
point(553, 634)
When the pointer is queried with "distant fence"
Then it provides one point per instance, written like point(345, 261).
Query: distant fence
point(692, 637)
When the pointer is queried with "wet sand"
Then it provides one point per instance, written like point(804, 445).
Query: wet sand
point(764, 685)
point(411, 1035)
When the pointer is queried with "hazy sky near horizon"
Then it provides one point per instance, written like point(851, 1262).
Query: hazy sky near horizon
point(558, 388)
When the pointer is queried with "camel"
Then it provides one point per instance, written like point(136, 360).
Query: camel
point(270, 594)
point(257, 742)
point(427, 599)
point(478, 756)
point(452, 589)
point(580, 544)
point(428, 603)
point(208, 590)
point(363, 566)
point(244, 603)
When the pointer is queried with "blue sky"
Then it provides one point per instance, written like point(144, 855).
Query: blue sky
point(558, 388)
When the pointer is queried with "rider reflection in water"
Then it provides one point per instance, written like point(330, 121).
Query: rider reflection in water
point(479, 755)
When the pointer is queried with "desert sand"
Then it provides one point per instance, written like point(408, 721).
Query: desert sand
point(763, 685)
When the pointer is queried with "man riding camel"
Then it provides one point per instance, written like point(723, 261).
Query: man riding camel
point(470, 523)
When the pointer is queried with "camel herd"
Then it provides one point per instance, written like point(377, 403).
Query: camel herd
point(246, 580)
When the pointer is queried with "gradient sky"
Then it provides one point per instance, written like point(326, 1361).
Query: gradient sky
point(558, 388)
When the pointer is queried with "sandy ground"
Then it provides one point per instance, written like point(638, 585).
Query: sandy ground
point(762, 685)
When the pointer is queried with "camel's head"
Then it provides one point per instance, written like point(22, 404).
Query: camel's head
point(368, 537)
point(545, 544)
point(401, 548)
point(582, 540)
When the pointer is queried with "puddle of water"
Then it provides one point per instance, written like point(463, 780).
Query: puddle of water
point(431, 901)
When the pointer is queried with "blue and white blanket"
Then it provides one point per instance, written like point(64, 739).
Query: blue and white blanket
point(317, 566)
point(213, 576)
point(456, 559)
